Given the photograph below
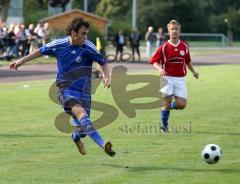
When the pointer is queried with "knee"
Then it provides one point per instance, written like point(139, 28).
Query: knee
point(79, 112)
point(181, 105)
point(166, 106)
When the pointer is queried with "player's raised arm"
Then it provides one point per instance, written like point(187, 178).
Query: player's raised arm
point(19, 62)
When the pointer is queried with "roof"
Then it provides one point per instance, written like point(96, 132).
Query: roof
point(74, 11)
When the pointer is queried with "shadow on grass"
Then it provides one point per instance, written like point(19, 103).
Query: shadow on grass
point(174, 169)
point(218, 133)
point(28, 135)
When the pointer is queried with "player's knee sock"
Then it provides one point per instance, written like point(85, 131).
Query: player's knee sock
point(165, 116)
point(89, 129)
point(173, 105)
point(77, 134)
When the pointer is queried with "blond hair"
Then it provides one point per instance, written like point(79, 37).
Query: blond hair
point(173, 22)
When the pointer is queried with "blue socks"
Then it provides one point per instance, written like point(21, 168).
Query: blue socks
point(75, 136)
point(165, 116)
point(87, 128)
point(78, 133)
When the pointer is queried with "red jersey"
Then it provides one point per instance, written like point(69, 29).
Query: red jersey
point(173, 58)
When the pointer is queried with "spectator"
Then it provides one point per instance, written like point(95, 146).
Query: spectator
point(160, 37)
point(21, 41)
point(150, 38)
point(120, 42)
point(3, 33)
point(134, 39)
point(10, 43)
point(47, 31)
point(32, 38)
point(39, 30)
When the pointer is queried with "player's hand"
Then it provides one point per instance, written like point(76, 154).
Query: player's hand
point(106, 82)
point(15, 64)
point(162, 72)
point(196, 75)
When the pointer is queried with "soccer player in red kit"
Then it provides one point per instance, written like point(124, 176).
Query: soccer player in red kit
point(171, 60)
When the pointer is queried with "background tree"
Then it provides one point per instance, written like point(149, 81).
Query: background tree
point(32, 12)
point(119, 13)
point(117, 9)
point(4, 13)
point(79, 4)
point(195, 15)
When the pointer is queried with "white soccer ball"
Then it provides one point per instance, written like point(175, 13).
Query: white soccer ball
point(211, 153)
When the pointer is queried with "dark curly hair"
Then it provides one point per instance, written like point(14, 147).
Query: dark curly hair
point(77, 23)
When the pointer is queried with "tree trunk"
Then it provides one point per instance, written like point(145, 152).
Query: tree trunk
point(4, 13)
point(230, 38)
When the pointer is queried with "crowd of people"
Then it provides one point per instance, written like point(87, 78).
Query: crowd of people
point(17, 41)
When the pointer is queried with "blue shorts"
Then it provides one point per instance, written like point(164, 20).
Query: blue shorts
point(69, 98)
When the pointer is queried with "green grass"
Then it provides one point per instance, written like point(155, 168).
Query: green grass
point(32, 150)
point(213, 51)
point(212, 44)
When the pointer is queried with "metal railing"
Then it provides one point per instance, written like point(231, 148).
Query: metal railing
point(223, 38)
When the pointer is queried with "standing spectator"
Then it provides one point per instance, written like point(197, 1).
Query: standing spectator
point(134, 39)
point(39, 30)
point(10, 43)
point(120, 42)
point(150, 38)
point(160, 37)
point(47, 30)
point(32, 38)
point(21, 41)
point(3, 33)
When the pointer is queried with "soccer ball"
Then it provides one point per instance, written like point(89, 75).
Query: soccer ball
point(211, 153)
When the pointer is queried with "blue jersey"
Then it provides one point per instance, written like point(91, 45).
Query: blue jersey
point(74, 62)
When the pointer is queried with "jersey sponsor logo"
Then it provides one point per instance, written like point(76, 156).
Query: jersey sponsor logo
point(73, 52)
point(182, 53)
point(78, 59)
point(176, 60)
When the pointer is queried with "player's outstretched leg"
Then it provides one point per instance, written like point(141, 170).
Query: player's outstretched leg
point(85, 127)
point(89, 129)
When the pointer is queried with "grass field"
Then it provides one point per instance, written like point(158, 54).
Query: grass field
point(32, 150)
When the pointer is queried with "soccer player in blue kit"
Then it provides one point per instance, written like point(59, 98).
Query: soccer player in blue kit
point(75, 55)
